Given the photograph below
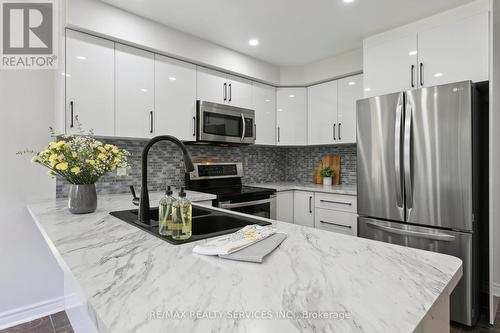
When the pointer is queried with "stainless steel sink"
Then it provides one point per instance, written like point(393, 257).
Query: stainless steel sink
point(207, 223)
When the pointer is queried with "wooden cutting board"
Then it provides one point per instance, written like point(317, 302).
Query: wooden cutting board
point(334, 163)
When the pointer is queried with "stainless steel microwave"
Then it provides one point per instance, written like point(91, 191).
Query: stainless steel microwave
point(224, 123)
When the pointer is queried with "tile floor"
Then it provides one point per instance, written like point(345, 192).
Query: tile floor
point(55, 323)
point(59, 323)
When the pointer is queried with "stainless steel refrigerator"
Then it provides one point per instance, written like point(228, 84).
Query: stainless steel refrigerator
point(416, 177)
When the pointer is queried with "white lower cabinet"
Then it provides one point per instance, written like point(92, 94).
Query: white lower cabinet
point(284, 206)
point(336, 221)
point(303, 208)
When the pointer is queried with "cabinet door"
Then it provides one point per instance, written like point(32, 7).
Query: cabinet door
point(134, 92)
point(211, 86)
point(303, 208)
point(175, 98)
point(390, 66)
point(455, 52)
point(284, 206)
point(90, 82)
point(322, 114)
point(350, 90)
point(291, 116)
point(239, 92)
point(264, 104)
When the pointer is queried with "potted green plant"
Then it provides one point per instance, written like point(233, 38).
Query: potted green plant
point(81, 160)
point(327, 173)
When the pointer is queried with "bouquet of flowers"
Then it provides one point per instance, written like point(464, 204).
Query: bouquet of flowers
point(81, 159)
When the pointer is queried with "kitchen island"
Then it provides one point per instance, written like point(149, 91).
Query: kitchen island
point(126, 280)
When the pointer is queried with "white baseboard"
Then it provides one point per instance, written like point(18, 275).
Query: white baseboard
point(31, 312)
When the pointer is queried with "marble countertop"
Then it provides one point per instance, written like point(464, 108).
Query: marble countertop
point(288, 186)
point(126, 275)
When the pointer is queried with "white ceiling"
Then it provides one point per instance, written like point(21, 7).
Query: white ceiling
point(291, 32)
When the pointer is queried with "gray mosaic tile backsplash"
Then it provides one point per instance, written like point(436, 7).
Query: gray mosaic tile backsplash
point(260, 164)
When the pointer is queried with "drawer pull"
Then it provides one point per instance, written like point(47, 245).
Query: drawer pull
point(337, 202)
point(337, 225)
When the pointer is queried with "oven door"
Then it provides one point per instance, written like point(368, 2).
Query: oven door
point(263, 208)
point(225, 123)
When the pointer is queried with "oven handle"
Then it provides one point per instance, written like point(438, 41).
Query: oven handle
point(227, 205)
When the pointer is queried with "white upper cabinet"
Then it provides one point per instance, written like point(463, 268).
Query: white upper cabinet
point(135, 70)
point(175, 98)
point(264, 104)
point(350, 89)
point(390, 66)
point(291, 116)
point(89, 84)
point(449, 47)
point(239, 92)
point(211, 86)
point(217, 87)
point(322, 106)
point(455, 52)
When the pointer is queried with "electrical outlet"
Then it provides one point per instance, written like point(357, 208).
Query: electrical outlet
point(120, 172)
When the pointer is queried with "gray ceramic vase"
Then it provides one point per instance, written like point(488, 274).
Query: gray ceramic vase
point(82, 199)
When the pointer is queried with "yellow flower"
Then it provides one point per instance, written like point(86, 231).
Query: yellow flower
point(62, 166)
point(53, 157)
point(91, 162)
point(115, 150)
point(75, 170)
point(74, 154)
point(101, 156)
point(108, 146)
point(101, 149)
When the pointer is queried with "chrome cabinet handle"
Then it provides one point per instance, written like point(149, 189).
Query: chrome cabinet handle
point(407, 157)
point(151, 121)
point(337, 225)
point(411, 233)
point(337, 202)
point(244, 127)
point(255, 131)
point(230, 92)
point(397, 152)
point(71, 125)
point(278, 134)
point(310, 205)
point(194, 126)
point(340, 124)
point(225, 90)
point(334, 130)
point(412, 76)
point(421, 74)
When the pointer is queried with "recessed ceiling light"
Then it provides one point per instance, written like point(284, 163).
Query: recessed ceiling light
point(279, 110)
point(352, 83)
point(144, 90)
point(438, 74)
point(368, 89)
point(412, 53)
point(268, 100)
point(348, 1)
point(81, 58)
point(291, 96)
point(172, 78)
point(253, 42)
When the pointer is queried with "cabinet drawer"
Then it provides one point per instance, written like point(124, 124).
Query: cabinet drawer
point(336, 221)
point(346, 203)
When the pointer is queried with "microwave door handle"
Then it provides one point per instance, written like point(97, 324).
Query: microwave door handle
point(411, 233)
point(244, 127)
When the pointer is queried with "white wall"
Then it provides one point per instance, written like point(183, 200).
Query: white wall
point(28, 272)
point(333, 67)
point(104, 20)
point(494, 158)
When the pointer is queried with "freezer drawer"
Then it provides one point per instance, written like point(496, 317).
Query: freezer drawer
point(464, 298)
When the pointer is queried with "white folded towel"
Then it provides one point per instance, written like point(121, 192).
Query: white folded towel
point(236, 241)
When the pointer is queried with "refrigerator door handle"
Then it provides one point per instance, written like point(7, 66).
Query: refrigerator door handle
point(397, 153)
point(411, 233)
point(407, 160)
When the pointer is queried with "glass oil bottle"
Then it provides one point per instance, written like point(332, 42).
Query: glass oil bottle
point(182, 226)
point(166, 213)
